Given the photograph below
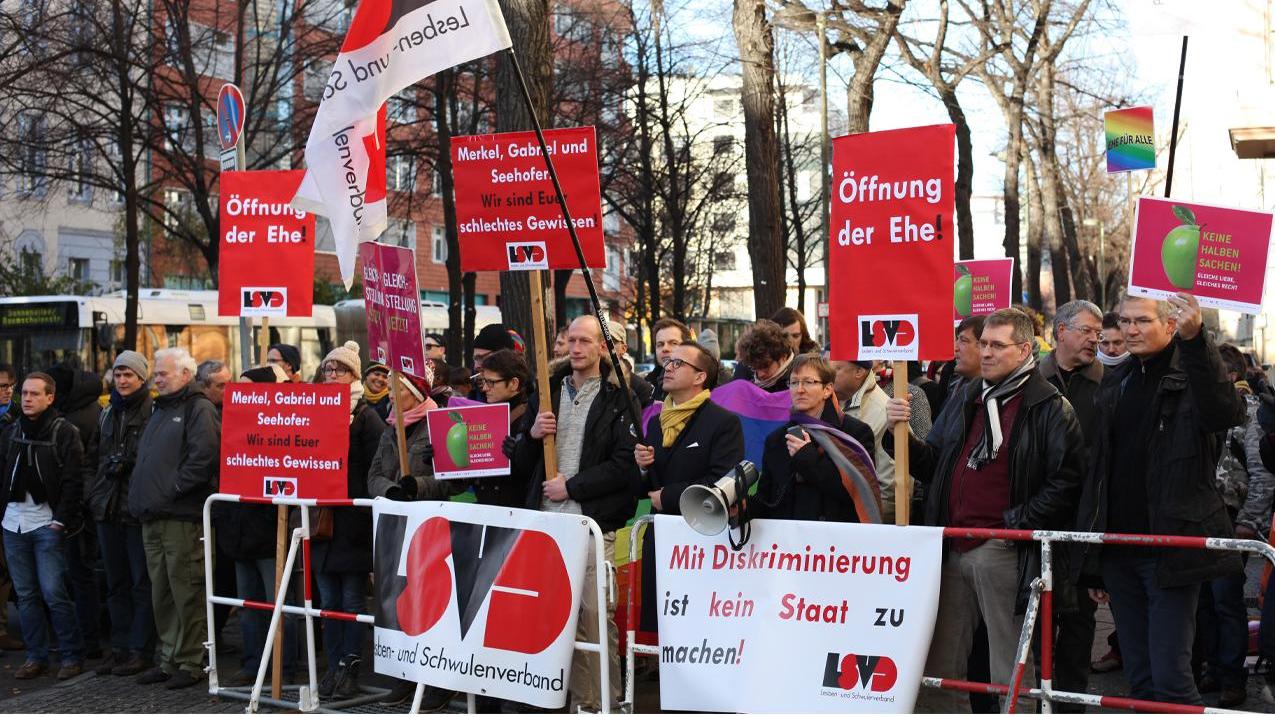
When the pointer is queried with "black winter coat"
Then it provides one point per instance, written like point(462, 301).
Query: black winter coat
point(177, 459)
point(350, 550)
point(77, 400)
point(112, 454)
point(507, 491)
point(57, 453)
point(807, 486)
point(1195, 404)
point(1046, 465)
point(1081, 390)
point(709, 447)
point(607, 482)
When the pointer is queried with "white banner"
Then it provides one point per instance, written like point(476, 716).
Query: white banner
point(808, 617)
point(391, 45)
point(478, 598)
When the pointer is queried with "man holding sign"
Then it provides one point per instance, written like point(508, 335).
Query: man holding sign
point(1009, 454)
point(596, 477)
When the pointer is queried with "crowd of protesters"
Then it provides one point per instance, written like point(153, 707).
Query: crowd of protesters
point(1137, 421)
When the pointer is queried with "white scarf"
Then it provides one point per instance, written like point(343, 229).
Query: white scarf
point(1112, 361)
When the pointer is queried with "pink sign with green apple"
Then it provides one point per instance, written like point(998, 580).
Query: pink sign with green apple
point(980, 287)
point(467, 440)
point(1217, 254)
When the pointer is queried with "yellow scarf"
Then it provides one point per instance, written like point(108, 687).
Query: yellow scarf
point(673, 418)
point(375, 396)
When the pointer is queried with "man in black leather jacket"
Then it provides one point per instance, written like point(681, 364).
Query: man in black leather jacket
point(1008, 455)
point(1154, 454)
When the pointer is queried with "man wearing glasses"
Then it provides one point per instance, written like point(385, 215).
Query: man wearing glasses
point(435, 348)
point(1160, 416)
point(692, 440)
point(1073, 369)
point(1006, 453)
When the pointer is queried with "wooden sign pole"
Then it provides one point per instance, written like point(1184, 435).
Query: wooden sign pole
point(902, 479)
point(542, 368)
point(400, 432)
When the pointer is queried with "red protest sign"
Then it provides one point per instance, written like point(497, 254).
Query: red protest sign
point(393, 306)
point(506, 210)
point(980, 287)
point(891, 245)
point(285, 440)
point(1215, 253)
point(467, 440)
point(266, 264)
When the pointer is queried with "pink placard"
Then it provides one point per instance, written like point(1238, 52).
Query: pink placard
point(467, 441)
point(393, 307)
point(1217, 254)
point(980, 287)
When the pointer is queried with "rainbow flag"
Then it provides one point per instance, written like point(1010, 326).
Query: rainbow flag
point(760, 412)
point(1130, 139)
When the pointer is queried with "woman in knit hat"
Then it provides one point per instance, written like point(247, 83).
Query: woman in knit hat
point(385, 479)
point(376, 388)
point(343, 562)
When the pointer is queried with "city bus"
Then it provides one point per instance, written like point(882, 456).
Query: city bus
point(86, 331)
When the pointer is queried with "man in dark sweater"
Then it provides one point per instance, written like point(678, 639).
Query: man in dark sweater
point(1155, 448)
point(1006, 454)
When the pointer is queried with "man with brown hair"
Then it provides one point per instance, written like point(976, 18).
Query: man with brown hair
point(40, 496)
point(1008, 453)
point(669, 334)
point(765, 350)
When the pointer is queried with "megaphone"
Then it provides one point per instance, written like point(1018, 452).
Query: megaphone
point(707, 508)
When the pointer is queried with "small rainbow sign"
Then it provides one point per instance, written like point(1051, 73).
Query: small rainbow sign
point(1130, 139)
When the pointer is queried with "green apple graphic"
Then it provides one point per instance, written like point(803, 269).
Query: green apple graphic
point(1181, 249)
point(458, 440)
point(963, 292)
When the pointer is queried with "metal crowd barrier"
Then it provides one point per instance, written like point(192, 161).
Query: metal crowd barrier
point(1039, 609)
point(308, 699)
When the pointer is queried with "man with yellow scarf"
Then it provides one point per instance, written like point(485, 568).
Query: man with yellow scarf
point(691, 440)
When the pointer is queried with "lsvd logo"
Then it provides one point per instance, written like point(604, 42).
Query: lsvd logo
point(527, 255)
point(263, 301)
point(850, 671)
point(888, 337)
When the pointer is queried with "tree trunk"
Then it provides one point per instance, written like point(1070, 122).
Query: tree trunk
point(528, 23)
point(1035, 218)
point(793, 227)
point(468, 283)
point(859, 92)
point(561, 278)
point(1013, 204)
point(765, 247)
point(964, 172)
point(444, 95)
point(1050, 187)
point(128, 172)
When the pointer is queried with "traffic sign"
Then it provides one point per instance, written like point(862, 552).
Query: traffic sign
point(230, 115)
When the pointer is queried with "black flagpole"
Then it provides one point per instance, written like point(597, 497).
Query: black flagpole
point(635, 412)
point(1177, 109)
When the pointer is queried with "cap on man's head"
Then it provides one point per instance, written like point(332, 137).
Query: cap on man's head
point(493, 337)
point(134, 362)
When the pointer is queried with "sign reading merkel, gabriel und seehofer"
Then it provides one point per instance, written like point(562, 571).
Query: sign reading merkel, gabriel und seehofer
point(507, 212)
point(891, 245)
point(285, 440)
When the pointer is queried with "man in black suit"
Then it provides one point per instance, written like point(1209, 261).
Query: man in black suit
point(692, 440)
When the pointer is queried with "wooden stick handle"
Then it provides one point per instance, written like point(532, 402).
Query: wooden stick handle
point(902, 479)
point(400, 433)
point(542, 368)
point(263, 341)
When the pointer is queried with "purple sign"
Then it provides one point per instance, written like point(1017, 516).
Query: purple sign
point(393, 307)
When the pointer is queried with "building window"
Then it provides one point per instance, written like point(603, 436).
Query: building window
point(119, 275)
point(724, 223)
point(346, 15)
point(439, 246)
point(32, 262)
point(724, 107)
point(401, 107)
point(33, 157)
point(436, 183)
point(78, 268)
point(402, 177)
point(176, 127)
point(571, 25)
point(80, 160)
point(722, 144)
point(724, 261)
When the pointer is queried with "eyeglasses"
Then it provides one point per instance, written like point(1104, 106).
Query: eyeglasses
point(997, 345)
point(6, 386)
point(429, 346)
point(1085, 331)
point(676, 363)
point(481, 382)
point(809, 383)
point(336, 370)
point(1143, 323)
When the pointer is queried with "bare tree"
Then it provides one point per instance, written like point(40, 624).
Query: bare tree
point(761, 148)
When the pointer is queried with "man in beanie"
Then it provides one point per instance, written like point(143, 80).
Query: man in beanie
point(119, 534)
point(176, 471)
point(492, 338)
point(40, 499)
point(288, 357)
point(376, 388)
